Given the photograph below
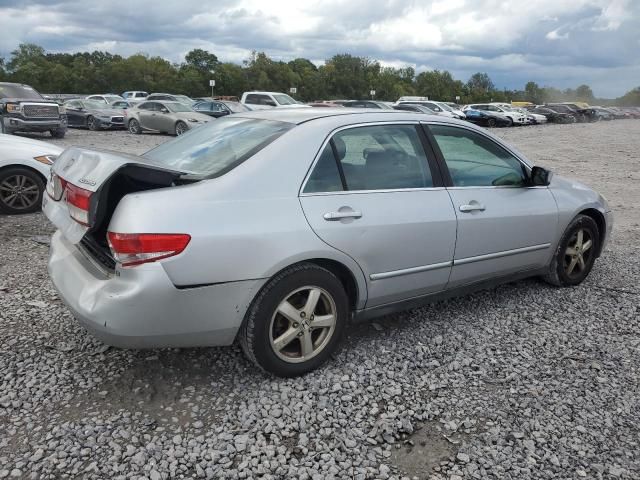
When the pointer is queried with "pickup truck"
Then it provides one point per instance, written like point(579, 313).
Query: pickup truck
point(23, 109)
point(264, 100)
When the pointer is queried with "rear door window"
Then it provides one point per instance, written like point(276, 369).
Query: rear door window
point(379, 157)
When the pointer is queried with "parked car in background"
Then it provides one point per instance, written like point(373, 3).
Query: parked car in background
point(634, 112)
point(107, 99)
point(367, 104)
point(24, 170)
point(135, 96)
point(265, 100)
point(410, 107)
point(603, 113)
point(219, 108)
point(174, 118)
point(582, 115)
point(277, 228)
point(515, 118)
point(433, 106)
point(552, 115)
point(325, 104)
point(457, 113)
point(534, 118)
point(486, 118)
point(93, 114)
point(23, 109)
point(122, 104)
point(171, 98)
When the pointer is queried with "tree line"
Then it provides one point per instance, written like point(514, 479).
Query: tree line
point(343, 76)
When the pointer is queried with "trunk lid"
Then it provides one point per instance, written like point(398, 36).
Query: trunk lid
point(91, 183)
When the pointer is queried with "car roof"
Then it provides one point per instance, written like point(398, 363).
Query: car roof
point(303, 115)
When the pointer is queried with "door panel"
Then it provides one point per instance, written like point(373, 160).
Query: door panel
point(519, 224)
point(397, 231)
point(372, 195)
point(504, 225)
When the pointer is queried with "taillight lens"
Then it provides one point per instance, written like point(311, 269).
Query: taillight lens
point(78, 202)
point(131, 249)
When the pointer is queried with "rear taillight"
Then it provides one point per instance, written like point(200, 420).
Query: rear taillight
point(78, 202)
point(131, 249)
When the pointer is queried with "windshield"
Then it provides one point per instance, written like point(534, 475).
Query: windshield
point(284, 99)
point(178, 107)
point(19, 91)
point(424, 109)
point(112, 98)
point(218, 147)
point(444, 106)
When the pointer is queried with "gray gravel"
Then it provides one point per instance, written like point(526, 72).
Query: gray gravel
point(523, 381)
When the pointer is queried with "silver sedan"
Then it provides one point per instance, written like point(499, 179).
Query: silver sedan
point(277, 228)
point(173, 118)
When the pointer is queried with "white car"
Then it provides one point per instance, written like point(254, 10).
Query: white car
point(134, 96)
point(266, 100)
point(459, 114)
point(107, 98)
point(24, 171)
point(516, 118)
point(536, 118)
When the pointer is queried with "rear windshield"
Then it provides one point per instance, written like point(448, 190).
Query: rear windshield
point(19, 91)
point(217, 147)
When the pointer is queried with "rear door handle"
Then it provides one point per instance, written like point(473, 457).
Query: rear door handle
point(333, 216)
point(472, 207)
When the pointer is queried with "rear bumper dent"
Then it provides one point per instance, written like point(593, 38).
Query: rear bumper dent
point(140, 307)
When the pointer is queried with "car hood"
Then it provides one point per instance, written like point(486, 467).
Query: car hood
point(105, 112)
point(14, 143)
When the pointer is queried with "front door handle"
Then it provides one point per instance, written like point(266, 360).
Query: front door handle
point(472, 207)
point(333, 216)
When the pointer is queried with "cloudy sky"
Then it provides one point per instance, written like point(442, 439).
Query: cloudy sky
point(554, 42)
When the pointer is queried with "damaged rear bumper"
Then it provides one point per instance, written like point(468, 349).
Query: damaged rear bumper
point(140, 307)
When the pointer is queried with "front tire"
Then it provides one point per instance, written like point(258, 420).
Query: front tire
point(58, 132)
point(21, 191)
point(491, 122)
point(576, 253)
point(181, 128)
point(93, 124)
point(296, 321)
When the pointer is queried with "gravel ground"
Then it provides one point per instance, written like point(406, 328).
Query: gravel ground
point(524, 381)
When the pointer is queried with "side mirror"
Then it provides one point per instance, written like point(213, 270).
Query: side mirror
point(540, 177)
point(164, 110)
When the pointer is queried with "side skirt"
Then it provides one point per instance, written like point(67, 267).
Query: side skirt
point(415, 302)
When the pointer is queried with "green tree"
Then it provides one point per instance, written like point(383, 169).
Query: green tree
point(480, 87)
point(584, 94)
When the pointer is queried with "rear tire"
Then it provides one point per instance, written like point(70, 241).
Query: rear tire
point(134, 127)
point(21, 191)
point(576, 253)
point(316, 307)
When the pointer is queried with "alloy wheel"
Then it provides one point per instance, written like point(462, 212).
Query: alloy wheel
point(578, 253)
point(181, 128)
point(303, 324)
point(19, 192)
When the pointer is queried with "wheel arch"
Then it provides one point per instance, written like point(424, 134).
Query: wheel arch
point(353, 285)
point(601, 222)
point(26, 167)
